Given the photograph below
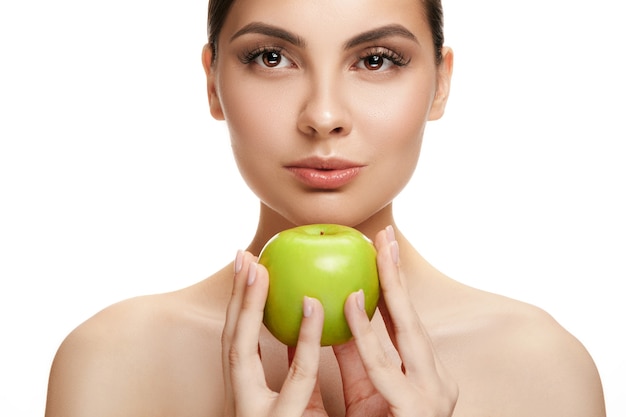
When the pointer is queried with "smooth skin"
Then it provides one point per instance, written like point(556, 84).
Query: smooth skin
point(436, 347)
point(373, 384)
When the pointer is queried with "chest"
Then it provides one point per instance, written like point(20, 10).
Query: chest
point(470, 370)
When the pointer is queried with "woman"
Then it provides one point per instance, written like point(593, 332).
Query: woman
point(326, 103)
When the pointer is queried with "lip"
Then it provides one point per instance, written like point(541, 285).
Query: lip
point(324, 173)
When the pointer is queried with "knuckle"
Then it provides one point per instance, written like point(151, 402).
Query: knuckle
point(299, 372)
point(380, 363)
point(234, 356)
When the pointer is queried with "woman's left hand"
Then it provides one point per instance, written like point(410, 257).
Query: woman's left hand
point(246, 390)
point(373, 384)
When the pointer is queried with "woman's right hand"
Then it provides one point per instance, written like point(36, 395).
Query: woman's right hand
point(246, 390)
point(374, 384)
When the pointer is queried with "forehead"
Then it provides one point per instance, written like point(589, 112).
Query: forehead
point(328, 20)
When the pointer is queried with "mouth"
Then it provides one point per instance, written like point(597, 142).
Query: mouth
point(324, 173)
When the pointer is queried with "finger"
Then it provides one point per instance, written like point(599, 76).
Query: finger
point(241, 265)
point(384, 313)
point(356, 383)
point(316, 402)
point(350, 364)
point(434, 396)
point(247, 330)
point(385, 375)
point(241, 270)
point(246, 370)
point(301, 381)
point(410, 337)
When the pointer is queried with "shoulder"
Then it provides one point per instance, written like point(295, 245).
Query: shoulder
point(522, 356)
point(561, 376)
point(122, 360)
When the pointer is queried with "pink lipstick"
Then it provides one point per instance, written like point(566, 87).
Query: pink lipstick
point(324, 174)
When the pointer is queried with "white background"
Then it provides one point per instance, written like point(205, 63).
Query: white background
point(115, 182)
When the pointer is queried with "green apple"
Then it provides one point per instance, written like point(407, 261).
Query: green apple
point(323, 261)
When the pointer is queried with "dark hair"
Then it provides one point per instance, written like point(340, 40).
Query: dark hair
point(434, 15)
point(218, 10)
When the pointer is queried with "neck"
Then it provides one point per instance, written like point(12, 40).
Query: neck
point(270, 223)
point(416, 271)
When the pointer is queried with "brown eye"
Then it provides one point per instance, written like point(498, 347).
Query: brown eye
point(381, 59)
point(268, 59)
point(271, 59)
point(374, 62)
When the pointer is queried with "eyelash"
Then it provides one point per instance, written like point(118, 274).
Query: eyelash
point(248, 56)
point(397, 59)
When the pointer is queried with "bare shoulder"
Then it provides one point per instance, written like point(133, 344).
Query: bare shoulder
point(522, 360)
point(143, 356)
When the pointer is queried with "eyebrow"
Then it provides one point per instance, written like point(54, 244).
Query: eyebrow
point(380, 33)
point(365, 37)
point(269, 30)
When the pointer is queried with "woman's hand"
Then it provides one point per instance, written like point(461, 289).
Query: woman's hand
point(247, 393)
point(373, 384)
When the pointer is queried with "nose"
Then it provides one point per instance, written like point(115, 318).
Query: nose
point(324, 112)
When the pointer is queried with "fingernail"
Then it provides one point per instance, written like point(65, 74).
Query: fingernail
point(395, 252)
point(251, 273)
point(238, 261)
point(360, 300)
point(307, 306)
point(391, 234)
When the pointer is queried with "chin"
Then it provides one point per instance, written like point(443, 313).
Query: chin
point(344, 208)
point(300, 218)
point(331, 215)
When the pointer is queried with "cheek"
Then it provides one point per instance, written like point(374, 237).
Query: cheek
point(395, 128)
point(397, 123)
point(400, 105)
point(257, 124)
point(256, 116)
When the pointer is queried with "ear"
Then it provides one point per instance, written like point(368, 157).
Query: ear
point(209, 68)
point(444, 77)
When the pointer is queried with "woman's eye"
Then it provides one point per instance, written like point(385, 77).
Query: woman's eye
point(272, 59)
point(381, 60)
point(375, 62)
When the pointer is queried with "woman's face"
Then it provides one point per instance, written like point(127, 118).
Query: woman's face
point(326, 101)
